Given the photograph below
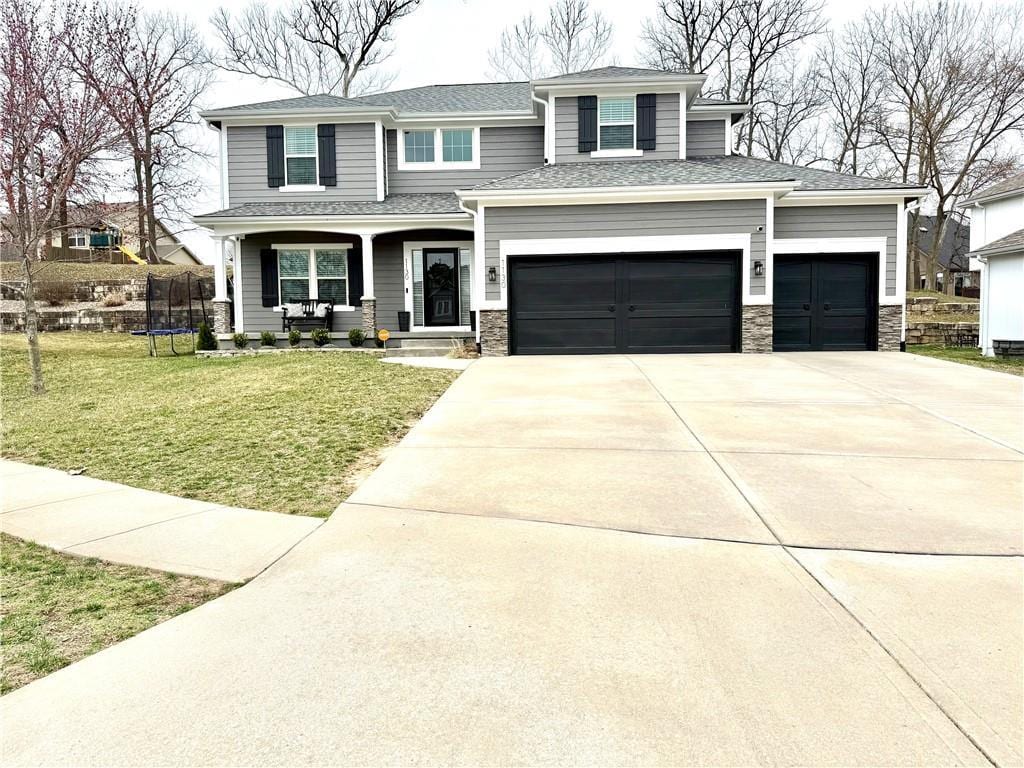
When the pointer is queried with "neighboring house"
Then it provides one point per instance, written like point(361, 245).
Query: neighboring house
point(97, 231)
point(953, 262)
point(997, 249)
point(601, 211)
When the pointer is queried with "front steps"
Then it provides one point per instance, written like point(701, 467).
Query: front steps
point(425, 344)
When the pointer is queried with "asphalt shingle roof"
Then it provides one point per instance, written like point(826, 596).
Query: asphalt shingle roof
point(405, 204)
point(1012, 184)
point(320, 101)
point(725, 169)
point(463, 97)
point(1009, 244)
point(613, 73)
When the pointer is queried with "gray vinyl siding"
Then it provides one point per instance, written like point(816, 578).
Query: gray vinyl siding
point(256, 317)
point(503, 151)
point(666, 138)
point(705, 137)
point(388, 282)
point(247, 166)
point(843, 221)
point(704, 217)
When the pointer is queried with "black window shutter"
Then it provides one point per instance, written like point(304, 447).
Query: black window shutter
point(275, 155)
point(355, 277)
point(646, 121)
point(328, 158)
point(268, 277)
point(586, 108)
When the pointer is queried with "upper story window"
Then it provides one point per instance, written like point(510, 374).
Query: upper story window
point(300, 160)
point(78, 238)
point(436, 148)
point(616, 123)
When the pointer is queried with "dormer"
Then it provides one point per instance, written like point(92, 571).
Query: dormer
point(626, 113)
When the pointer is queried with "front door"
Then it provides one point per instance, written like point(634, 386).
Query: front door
point(824, 302)
point(440, 286)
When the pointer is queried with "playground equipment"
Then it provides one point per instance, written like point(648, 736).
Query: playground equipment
point(131, 254)
point(175, 305)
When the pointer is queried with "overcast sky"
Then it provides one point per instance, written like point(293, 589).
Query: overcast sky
point(444, 41)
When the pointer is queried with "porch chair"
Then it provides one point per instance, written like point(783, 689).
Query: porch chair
point(307, 315)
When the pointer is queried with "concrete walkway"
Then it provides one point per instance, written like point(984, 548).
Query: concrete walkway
point(93, 518)
point(647, 561)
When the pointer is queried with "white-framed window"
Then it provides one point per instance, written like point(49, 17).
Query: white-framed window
point(313, 272)
point(300, 156)
point(422, 149)
point(78, 238)
point(616, 123)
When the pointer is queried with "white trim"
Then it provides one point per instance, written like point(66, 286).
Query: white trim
point(367, 259)
point(414, 245)
point(479, 295)
point(728, 135)
point(314, 282)
point(341, 225)
point(682, 125)
point(901, 265)
point(379, 157)
point(769, 250)
point(635, 194)
point(805, 197)
point(220, 269)
point(236, 280)
point(599, 153)
point(739, 241)
point(549, 136)
point(844, 245)
point(438, 162)
point(225, 187)
point(316, 160)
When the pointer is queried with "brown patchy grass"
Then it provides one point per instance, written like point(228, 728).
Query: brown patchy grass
point(944, 298)
point(284, 433)
point(57, 608)
point(72, 272)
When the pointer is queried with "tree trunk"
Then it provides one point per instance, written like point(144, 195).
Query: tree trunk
point(140, 222)
point(65, 235)
point(35, 363)
point(151, 238)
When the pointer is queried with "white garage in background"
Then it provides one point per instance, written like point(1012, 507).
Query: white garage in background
point(997, 249)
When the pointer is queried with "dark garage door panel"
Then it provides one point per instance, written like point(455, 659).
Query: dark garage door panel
point(825, 302)
point(639, 303)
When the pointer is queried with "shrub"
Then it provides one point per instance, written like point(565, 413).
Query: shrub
point(113, 299)
point(206, 339)
point(356, 337)
point(241, 340)
point(320, 336)
point(55, 292)
point(461, 350)
point(268, 339)
point(294, 337)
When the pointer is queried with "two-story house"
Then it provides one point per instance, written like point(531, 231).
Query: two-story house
point(997, 250)
point(601, 211)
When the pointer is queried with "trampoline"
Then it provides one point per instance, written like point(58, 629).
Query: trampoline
point(175, 306)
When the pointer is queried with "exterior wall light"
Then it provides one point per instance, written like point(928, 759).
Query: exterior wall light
point(492, 274)
point(759, 268)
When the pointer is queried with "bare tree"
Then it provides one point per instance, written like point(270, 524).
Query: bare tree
point(313, 46)
point(954, 94)
point(792, 104)
point(686, 35)
point(50, 134)
point(147, 72)
point(573, 39)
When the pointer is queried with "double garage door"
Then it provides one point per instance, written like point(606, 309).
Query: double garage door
point(682, 302)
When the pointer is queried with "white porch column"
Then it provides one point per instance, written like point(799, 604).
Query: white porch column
point(368, 301)
point(367, 266)
point(221, 303)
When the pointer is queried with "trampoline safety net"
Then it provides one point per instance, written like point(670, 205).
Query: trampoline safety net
point(177, 304)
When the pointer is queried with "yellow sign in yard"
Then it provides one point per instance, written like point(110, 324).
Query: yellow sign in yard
point(383, 334)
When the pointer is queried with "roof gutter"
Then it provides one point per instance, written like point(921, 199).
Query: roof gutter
point(624, 193)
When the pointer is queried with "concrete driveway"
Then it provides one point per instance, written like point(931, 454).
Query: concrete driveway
point(492, 594)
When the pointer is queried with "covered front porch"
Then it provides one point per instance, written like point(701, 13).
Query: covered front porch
point(415, 277)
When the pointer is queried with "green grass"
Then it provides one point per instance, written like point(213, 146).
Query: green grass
point(70, 271)
point(57, 609)
point(969, 356)
point(944, 298)
point(285, 433)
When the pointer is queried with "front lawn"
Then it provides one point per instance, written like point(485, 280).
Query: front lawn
point(944, 298)
point(57, 608)
point(285, 433)
point(969, 356)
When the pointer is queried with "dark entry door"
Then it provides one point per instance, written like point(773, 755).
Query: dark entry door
point(440, 286)
point(641, 303)
point(824, 302)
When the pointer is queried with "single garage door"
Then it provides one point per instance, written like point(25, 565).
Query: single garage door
point(653, 302)
point(826, 302)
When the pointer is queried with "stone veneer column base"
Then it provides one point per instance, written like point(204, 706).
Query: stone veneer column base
point(370, 318)
point(221, 316)
point(890, 327)
point(756, 329)
point(493, 332)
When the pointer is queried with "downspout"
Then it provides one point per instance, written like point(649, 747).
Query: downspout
point(544, 104)
point(478, 264)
